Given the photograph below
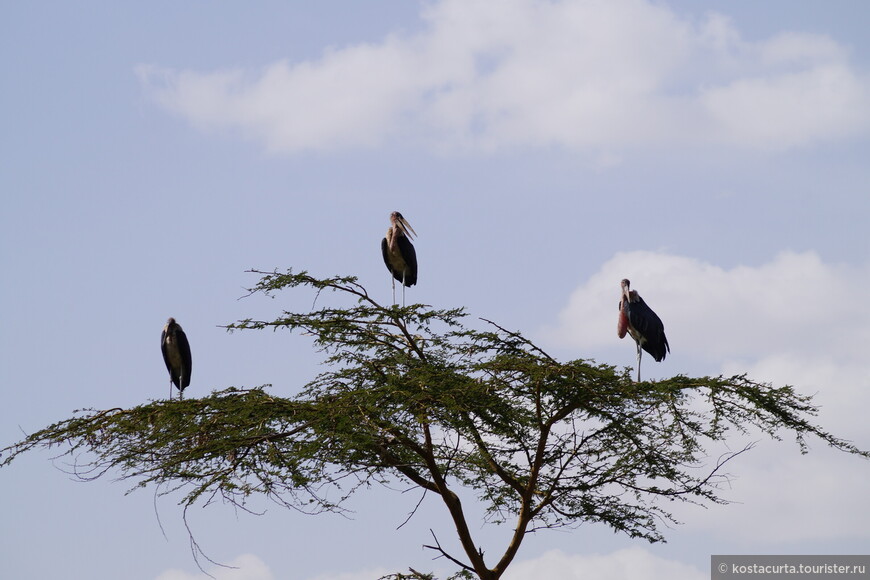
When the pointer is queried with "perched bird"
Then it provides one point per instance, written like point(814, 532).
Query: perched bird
point(644, 325)
point(176, 355)
point(399, 254)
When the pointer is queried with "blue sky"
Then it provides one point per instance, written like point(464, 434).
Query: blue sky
point(715, 153)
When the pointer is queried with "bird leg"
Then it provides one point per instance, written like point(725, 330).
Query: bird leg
point(639, 352)
point(393, 279)
point(403, 288)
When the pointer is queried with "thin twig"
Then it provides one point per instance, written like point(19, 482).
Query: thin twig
point(437, 547)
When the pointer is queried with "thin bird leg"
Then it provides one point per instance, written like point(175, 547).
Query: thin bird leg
point(394, 289)
point(170, 388)
point(639, 352)
point(403, 288)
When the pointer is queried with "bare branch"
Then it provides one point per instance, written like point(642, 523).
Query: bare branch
point(437, 547)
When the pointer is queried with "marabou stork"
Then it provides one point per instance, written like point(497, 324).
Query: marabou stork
point(399, 254)
point(644, 325)
point(176, 355)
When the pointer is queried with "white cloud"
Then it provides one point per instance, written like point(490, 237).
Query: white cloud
point(783, 498)
point(244, 567)
point(634, 563)
point(795, 320)
point(826, 101)
point(794, 304)
point(585, 75)
point(352, 97)
point(791, 48)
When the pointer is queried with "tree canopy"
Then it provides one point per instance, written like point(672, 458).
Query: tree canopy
point(415, 394)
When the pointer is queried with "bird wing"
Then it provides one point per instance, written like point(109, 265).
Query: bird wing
point(648, 324)
point(385, 250)
point(163, 351)
point(409, 254)
point(186, 359)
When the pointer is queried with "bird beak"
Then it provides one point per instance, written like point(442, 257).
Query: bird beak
point(405, 226)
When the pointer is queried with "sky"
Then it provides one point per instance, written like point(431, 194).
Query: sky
point(715, 153)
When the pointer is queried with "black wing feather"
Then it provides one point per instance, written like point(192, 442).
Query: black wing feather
point(180, 380)
point(186, 359)
point(163, 350)
point(385, 250)
point(650, 327)
point(409, 254)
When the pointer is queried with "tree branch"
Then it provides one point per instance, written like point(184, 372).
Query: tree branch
point(437, 547)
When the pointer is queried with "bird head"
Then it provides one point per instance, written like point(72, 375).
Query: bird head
point(626, 291)
point(399, 222)
point(171, 325)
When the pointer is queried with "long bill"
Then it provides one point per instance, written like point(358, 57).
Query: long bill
point(405, 227)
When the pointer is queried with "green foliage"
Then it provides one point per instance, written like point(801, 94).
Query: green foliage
point(414, 394)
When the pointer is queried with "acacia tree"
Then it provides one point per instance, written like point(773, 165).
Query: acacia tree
point(413, 394)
